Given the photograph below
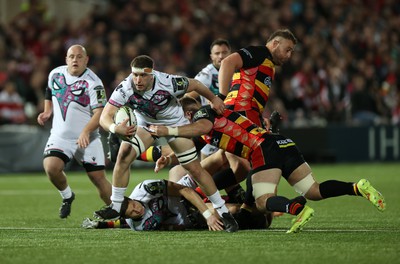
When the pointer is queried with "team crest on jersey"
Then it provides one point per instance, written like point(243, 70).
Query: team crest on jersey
point(268, 81)
point(150, 107)
point(67, 93)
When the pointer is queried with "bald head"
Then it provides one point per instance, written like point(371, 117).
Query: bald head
point(76, 60)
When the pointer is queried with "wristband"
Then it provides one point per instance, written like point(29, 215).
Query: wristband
point(223, 97)
point(172, 131)
point(111, 128)
point(207, 213)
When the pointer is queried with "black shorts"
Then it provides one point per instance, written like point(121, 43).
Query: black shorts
point(277, 151)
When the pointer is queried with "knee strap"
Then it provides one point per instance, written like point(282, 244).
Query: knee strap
point(187, 156)
point(304, 185)
point(262, 188)
point(137, 145)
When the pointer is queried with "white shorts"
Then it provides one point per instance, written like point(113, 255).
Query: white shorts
point(92, 154)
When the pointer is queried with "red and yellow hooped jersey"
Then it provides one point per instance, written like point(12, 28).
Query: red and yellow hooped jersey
point(251, 84)
point(232, 132)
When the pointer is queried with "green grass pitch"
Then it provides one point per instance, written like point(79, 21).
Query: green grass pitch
point(344, 230)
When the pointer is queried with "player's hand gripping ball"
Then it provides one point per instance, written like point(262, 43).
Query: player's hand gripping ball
point(122, 114)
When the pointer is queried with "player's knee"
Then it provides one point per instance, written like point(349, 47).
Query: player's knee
point(261, 192)
point(314, 193)
point(306, 186)
point(187, 157)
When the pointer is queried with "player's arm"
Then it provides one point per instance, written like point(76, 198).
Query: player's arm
point(84, 137)
point(107, 118)
point(107, 122)
point(48, 108)
point(175, 189)
point(228, 67)
point(216, 103)
point(198, 128)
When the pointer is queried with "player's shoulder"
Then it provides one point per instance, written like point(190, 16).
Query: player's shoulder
point(164, 77)
point(205, 112)
point(154, 187)
point(60, 69)
point(210, 68)
point(249, 51)
point(90, 75)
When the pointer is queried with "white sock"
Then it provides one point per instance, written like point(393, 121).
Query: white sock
point(67, 193)
point(218, 203)
point(117, 197)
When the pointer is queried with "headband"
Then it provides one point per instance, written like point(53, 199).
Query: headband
point(142, 70)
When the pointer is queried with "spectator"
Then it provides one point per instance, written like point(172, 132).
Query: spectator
point(11, 105)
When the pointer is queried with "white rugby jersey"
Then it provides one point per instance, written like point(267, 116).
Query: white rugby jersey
point(209, 77)
point(158, 106)
point(74, 98)
point(159, 207)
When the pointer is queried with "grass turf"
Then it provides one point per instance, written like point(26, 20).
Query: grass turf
point(344, 229)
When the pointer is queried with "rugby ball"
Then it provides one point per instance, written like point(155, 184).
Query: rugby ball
point(122, 114)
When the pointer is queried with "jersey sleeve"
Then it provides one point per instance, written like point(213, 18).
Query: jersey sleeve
point(98, 97)
point(148, 190)
point(205, 112)
point(254, 56)
point(180, 85)
point(97, 93)
point(119, 97)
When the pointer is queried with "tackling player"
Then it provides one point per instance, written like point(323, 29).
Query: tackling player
point(272, 156)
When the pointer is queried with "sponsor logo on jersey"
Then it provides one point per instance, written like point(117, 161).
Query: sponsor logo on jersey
point(247, 52)
point(180, 84)
point(200, 114)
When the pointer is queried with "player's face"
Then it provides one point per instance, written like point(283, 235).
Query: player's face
point(135, 210)
point(282, 51)
point(76, 60)
point(218, 53)
point(143, 81)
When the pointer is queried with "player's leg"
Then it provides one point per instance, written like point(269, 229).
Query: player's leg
point(304, 183)
point(187, 155)
point(57, 153)
point(240, 168)
point(99, 179)
point(94, 164)
point(128, 152)
point(264, 189)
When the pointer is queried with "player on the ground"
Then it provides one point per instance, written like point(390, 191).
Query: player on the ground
point(165, 205)
point(272, 156)
point(154, 97)
point(75, 97)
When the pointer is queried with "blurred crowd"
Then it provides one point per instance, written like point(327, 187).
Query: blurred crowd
point(345, 68)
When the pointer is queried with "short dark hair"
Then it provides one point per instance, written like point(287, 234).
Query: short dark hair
point(220, 42)
point(124, 206)
point(284, 33)
point(142, 61)
point(189, 103)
